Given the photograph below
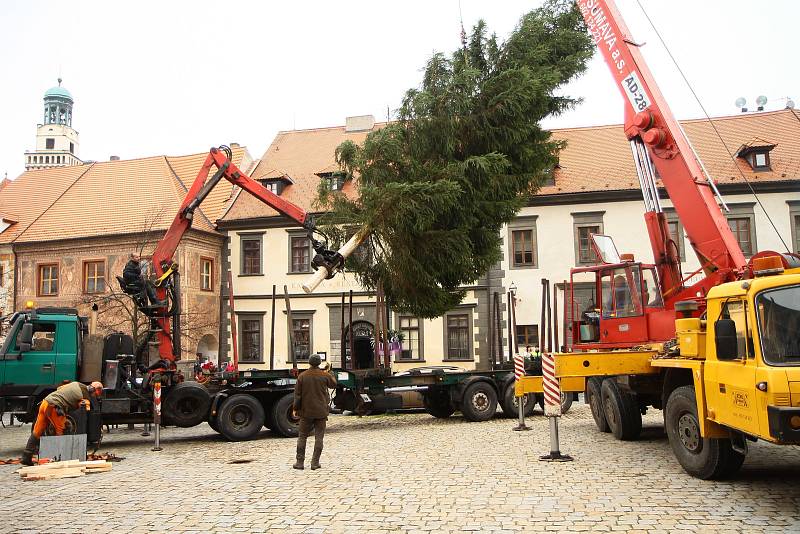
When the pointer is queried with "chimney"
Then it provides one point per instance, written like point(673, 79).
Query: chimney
point(359, 123)
point(113, 158)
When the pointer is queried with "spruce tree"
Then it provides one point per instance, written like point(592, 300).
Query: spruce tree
point(436, 186)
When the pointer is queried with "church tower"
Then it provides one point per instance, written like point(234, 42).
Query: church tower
point(56, 140)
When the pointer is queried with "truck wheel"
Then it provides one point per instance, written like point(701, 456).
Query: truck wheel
point(566, 401)
point(594, 399)
point(186, 404)
point(240, 417)
point(286, 424)
point(269, 418)
point(213, 422)
point(705, 458)
point(621, 411)
point(479, 402)
point(510, 403)
point(438, 404)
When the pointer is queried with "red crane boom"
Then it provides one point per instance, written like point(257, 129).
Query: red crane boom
point(657, 139)
point(166, 269)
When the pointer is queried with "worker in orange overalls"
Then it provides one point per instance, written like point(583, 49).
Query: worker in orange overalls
point(54, 409)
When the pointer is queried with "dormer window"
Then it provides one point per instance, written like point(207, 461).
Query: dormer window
point(760, 160)
point(335, 180)
point(275, 181)
point(756, 154)
point(272, 186)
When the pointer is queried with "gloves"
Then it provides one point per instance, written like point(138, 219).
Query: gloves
point(59, 411)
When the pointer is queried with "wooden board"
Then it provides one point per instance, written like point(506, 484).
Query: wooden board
point(67, 472)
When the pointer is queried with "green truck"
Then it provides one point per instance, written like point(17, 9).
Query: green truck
point(46, 346)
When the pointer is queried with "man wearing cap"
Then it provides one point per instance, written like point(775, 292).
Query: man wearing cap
point(311, 404)
point(54, 409)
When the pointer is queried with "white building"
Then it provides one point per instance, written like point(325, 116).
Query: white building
point(595, 190)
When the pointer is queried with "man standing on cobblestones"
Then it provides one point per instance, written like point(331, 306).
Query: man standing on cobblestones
point(311, 403)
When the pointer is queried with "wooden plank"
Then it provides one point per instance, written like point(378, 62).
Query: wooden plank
point(48, 466)
point(99, 470)
point(69, 472)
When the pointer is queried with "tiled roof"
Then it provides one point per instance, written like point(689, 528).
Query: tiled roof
point(599, 158)
point(108, 198)
point(25, 199)
point(298, 154)
point(595, 159)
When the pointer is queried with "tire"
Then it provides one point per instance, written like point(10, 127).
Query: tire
point(566, 401)
point(213, 422)
point(705, 458)
point(438, 404)
point(286, 424)
point(479, 402)
point(510, 403)
point(621, 410)
point(594, 399)
point(269, 416)
point(240, 417)
point(186, 405)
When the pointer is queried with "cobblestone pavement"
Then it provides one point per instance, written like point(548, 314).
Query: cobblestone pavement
point(405, 473)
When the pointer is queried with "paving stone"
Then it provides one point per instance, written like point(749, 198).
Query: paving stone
point(403, 474)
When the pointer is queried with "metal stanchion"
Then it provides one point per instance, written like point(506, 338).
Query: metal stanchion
point(552, 408)
point(157, 415)
point(519, 372)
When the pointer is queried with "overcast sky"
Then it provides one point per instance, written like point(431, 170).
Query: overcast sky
point(177, 77)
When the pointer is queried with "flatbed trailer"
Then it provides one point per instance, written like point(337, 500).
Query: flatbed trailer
point(256, 398)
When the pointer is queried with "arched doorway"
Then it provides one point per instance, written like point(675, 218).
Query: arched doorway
point(208, 347)
point(363, 345)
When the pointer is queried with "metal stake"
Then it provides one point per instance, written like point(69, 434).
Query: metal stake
point(555, 455)
point(157, 415)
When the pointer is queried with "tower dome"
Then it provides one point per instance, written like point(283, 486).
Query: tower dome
point(58, 105)
point(56, 140)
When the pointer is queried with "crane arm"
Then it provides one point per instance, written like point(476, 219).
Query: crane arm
point(657, 139)
point(221, 158)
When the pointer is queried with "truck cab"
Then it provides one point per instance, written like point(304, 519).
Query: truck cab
point(752, 365)
point(42, 348)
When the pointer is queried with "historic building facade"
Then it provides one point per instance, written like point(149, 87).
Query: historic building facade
point(594, 190)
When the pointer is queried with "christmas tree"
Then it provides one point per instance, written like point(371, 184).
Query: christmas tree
point(436, 186)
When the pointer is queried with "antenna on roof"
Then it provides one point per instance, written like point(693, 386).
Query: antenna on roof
point(741, 103)
point(761, 101)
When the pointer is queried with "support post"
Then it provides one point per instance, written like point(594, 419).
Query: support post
point(499, 329)
point(510, 333)
point(519, 372)
point(555, 317)
point(543, 322)
point(157, 414)
point(350, 333)
point(552, 408)
point(293, 354)
point(233, 325)
point(342, 352)
point(491, 333)
point(272, 333)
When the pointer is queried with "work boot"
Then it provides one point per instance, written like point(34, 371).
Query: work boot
point(300, 459)
point(315, 466)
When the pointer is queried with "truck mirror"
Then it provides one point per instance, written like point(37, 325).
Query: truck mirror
point(726, 340)
point(25, 339)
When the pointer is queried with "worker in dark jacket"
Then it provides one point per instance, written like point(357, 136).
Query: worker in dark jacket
point(311, 404)
point(54, 409)
point(132, 274)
